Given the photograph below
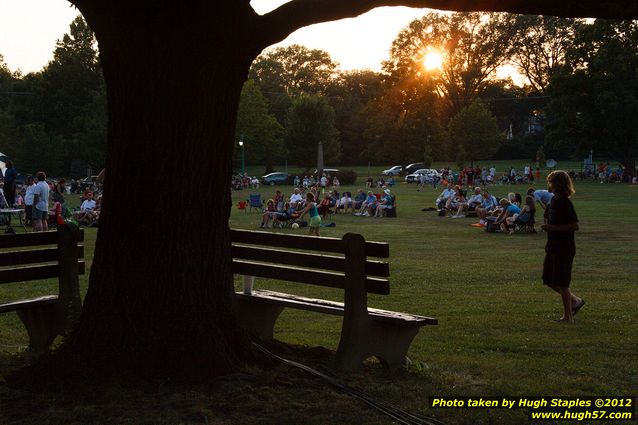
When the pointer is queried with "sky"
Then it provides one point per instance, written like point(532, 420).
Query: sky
point(30, 28)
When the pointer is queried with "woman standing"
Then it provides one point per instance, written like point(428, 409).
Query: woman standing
point(311, 209)
point(560, 224)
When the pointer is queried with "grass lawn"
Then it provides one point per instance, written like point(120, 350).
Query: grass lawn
point(495, 335)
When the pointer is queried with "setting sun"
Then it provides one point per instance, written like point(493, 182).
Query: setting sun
point(432, 60)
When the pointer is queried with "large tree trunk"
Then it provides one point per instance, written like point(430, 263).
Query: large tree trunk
point(161, 282)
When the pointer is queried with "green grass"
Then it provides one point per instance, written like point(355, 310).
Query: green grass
point(495, 334)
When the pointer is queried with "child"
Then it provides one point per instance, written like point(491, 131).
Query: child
point(560, 224)
point(311, 209)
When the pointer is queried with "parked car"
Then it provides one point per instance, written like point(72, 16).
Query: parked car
point(88, 183)
point(394, 171)
point(328, 170)
point(275, 178)
point(430, 175)
point(411, 168)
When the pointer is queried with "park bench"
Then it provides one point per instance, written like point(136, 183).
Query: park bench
point(365, 332)
point(28, 257)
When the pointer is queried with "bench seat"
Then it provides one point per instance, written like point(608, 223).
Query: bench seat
point(345, 264)
point(26, 304)
point(334, 308)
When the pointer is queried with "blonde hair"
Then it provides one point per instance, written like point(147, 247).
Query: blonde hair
point(560, 182)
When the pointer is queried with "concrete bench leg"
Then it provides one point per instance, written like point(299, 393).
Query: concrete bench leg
point(42, 326)
point(258, 318)
point(388, 343)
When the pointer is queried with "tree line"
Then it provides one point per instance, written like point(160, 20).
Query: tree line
point(581, 93)
point(55, 119)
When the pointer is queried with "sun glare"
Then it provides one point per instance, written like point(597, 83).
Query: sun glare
point(432, 60)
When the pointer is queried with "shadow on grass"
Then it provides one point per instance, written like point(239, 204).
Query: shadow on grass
point(275, 394)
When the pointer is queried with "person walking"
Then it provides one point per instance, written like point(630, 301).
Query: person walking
point(311, 209)
point(560, 224)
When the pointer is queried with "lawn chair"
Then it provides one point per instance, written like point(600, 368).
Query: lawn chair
point(254, 201)
point(241, 205)
point(520, 227)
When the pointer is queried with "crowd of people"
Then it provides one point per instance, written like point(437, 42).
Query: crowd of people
point(505, 214)
point(44, 201)
point(316, 201)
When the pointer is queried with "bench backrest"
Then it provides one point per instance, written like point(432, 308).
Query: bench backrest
point(40, 261)
point(48, 255)
point(313, 260)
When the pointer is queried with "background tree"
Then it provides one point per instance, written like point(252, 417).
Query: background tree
point(263, 133)
point(400, 123)
point(474, 134)
point(283, 73)
point(472, 45)
point(595, 100)
point(349, 94)
point(310, 121)
point(61, 111)
point(539, 45)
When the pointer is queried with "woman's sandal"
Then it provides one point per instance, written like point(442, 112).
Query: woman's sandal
point(578, 307)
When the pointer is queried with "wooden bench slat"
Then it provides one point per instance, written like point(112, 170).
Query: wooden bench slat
point(38, 255)
point(24, 304)
point(32, 239)
point(28, 239)
point(25, 274)
point(304, 259)
point(315, 277)
point(36, 272)
point(286, 241)
point(250, 237)
point(16, 258)
point(335, 308)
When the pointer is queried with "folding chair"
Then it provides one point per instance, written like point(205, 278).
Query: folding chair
point(526, 227)
point(254, 201)
point(241, 205)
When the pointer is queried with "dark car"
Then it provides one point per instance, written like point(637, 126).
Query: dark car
point(411, 168)
point(275, 178)
point(88, 183)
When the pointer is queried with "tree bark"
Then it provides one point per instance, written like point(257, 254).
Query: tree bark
point(160, 287)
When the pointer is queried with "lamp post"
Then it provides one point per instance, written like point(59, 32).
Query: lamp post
point(241, 144)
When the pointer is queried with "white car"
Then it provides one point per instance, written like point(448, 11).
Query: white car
point(429, 173)
point(394, 171)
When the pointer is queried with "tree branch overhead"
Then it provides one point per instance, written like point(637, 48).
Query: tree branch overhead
point(279, 23)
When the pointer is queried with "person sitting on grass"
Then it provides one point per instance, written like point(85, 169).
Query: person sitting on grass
point(508, 209)
point(487, 207)
point(359, 199)
point(324, 206)
point(526, 214)
point(370, 204)
point(345, 202)
point(472, 203)
point(455, 201)
point(296, 197)
point(268, 213)
point(386, 202)
point(447, 193)
point(91, 217)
